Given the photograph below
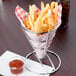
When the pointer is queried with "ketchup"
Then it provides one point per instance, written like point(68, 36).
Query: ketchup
point(16, 66)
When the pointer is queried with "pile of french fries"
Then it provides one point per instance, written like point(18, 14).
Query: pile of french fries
point(43, 20)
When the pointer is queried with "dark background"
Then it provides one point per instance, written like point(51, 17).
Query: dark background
point(12, 38)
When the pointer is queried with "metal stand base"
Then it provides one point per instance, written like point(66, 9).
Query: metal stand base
point(50, 60)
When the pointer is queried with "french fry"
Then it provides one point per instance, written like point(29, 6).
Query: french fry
point(47, 5)
point(37, 27)
point(35, 16)
point(30, 21)
point(52, 6)
point(52, 14)
point(37, 24)
point(27, 23)
point(32, 9)
point(49, 17)
point(43, 12)
point(56, 12)
point(42, 6)
point(32, 13)
point(44, 17)
point(51, 28)
point(52, 20)
point(44, 27)
point(49, 20)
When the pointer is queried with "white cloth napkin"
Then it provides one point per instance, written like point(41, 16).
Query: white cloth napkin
point(5, 71)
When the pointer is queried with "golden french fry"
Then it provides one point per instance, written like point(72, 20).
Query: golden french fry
point(37, 27)
point(49, 20)
point(30, 9)
point(52, 6)
point(44, 27)
point(52, 20)
point(56, 12)
point(52, 14)
point(42, 6)
point(44, 17)
point(30, 21)
point(49, 17)
point(32, 13)
point(27, 23)
point(47, 4)
point(51, 28)
point(43, 12)
point(37, 24)
point(35, 16)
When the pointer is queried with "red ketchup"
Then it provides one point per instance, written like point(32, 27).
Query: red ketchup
point(16, 66)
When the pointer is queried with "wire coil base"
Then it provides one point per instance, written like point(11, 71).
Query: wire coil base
point(54, 69)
